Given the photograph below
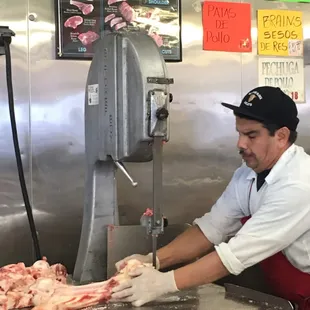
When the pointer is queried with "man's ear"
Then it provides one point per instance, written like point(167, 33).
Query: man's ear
point(283, 135)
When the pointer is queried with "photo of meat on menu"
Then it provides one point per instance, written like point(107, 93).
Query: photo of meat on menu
point(160, 19)
point(78, 28)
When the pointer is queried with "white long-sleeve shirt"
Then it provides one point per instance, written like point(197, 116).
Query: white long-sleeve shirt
point(280, 213)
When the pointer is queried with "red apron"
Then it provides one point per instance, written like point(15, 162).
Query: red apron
point(285, 280)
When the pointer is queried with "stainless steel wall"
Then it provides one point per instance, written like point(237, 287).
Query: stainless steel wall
point(49, 96)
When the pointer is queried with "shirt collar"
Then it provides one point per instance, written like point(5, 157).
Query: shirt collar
point(278, 167)
point(281, 163)
point(252, 175)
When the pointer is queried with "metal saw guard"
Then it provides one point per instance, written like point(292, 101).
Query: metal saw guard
point(126, 110)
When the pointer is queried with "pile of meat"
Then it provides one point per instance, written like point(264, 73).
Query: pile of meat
point(44, 286)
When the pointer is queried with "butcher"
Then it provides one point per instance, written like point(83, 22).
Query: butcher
point(262, 217)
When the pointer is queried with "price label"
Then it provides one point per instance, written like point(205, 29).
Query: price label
point(294, 95)
point(295, 48)
point(93, 94)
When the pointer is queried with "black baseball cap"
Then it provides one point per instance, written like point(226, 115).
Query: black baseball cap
point(268, 104)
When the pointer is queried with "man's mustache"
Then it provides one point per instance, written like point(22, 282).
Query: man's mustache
point(243, 152)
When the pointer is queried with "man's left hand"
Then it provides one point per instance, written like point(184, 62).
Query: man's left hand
point(146, 285)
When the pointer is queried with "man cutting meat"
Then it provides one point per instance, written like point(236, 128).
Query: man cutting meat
point(262, 217)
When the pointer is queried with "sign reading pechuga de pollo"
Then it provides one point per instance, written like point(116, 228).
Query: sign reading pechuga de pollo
point(280, 33)
point(286, 73)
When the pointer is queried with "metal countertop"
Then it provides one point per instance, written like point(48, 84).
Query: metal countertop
point(208, 297)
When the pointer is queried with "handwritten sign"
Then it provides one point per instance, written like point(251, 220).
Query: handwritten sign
point(227, 26)
point(286, 73)
point(280, 33)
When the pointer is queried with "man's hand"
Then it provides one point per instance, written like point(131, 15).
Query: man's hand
point(145, 259)
point(146, 285)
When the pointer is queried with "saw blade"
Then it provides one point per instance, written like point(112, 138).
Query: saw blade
point(154, 249)
point(157, 191)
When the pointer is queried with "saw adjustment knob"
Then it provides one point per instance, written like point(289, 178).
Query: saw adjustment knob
point(162, 113)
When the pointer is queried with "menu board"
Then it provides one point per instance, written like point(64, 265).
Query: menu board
point(81, 23)
point(160, 19)
point(78, 27)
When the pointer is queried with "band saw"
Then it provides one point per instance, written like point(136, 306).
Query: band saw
point(126, 120)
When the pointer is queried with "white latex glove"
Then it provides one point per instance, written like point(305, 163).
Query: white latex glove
point(145, 259)
point(146, 285)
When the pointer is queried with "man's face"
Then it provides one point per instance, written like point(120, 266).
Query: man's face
point(258, 149)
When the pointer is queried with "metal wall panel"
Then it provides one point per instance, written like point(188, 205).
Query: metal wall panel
point(198, 161)
point(15, 240)
point(57, 122)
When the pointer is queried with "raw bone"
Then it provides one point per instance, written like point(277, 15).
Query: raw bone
point(64, 297)
point(43, 286)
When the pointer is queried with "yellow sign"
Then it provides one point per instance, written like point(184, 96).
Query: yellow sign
point(279, 33)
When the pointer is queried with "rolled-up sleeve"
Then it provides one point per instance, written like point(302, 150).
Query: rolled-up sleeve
point(283, 217)
point(224, 218)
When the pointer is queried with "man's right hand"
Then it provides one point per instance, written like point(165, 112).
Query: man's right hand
point(144, 259)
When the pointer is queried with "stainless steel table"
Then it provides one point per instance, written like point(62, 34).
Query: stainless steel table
point(208, 297)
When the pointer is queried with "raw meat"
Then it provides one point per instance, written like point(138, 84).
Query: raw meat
point(73, 22)
point(16, 281)
point(114, 1)
point(148, 212)
point(85, 8)
point(88, 37)
point(127, 12)
point(43, 286)
point(115, 21)
point(78, 297)
point(120, 25)
point(109, 17)
point(157, 38)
